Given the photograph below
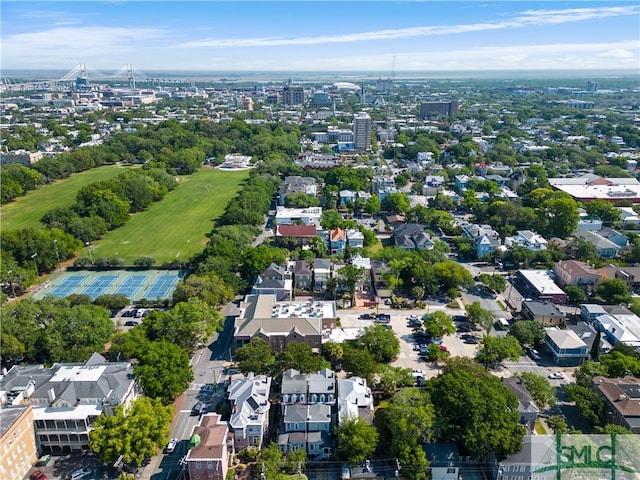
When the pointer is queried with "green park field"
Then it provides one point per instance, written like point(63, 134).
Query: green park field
point(27, 211)
point(176, 226)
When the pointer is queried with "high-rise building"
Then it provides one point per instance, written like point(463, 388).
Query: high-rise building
point(293, 95)
point(362, 131)
point(428, 109)
point(592, 86)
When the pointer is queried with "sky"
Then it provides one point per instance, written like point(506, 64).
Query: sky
point(376, 36)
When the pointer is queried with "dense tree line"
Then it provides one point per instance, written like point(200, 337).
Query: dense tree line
point(54, 330)
point(16, 180)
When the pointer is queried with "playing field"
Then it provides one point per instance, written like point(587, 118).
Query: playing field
point(149, 284)
point(27, 211)
point(175, 227)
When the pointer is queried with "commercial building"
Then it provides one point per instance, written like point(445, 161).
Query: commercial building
point(592, 187)
point(539, 284)
point(18, 451)
point(428, 109)
point(545, 313)
point(293, 95)
point(22, 157)
point(362, 125)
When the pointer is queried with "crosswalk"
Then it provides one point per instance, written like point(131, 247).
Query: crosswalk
point(205, 387)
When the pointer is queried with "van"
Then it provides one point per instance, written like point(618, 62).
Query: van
point(503, 323)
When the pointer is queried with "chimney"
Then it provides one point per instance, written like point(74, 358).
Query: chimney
point(51, 393)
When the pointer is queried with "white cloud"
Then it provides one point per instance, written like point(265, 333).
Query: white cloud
point(619, 53)
point(527, 18)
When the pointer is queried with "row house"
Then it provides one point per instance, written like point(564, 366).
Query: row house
point(605, 247)
point(274, 280)
point(210, 449)
point(528, 239)
point(249, 399)
point(339, 239)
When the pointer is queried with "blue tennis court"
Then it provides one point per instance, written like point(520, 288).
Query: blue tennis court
point(161, 287)
point(67, 286)
point(99, 286)
point(131, 285)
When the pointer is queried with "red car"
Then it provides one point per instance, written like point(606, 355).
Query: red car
point(38, 475)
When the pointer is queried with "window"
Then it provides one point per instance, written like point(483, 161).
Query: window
point(451, 470)
point(209, 465)
point(198, 465)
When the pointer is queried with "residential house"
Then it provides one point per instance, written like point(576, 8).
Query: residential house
point(605, 247)
point(346, 196)
point(484, 238)
point(545, 313)
point(17, 442)
point(622, 400)
point(587, 223)
point(432, 184)
point(280, 323)
point(576, 274)
point(615, 236)
point(303, 234)
point(620, 328)
point(249, 398)
point(302, 275)
point(461, 182)
point(516, 179)
point(527, 408)
point(296, 184)
point(210, 449)
point(66, 398)
point(538, 453)
point(322, 387)
point(628, 217)
point(567, 348)
point(337, 241)
point(379, 269)
point(355, 238)
point(274, 280)
point(383, 183)
point(498, 179)
point(321, 273)
point(629, 274)
point(354, 399)
point(444, 461)
point(528, 239)
point(411, 236)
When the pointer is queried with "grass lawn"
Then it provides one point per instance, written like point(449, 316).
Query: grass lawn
point(176, 226)
point(26, 211)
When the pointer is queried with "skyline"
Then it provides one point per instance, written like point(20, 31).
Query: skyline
point(365, 36)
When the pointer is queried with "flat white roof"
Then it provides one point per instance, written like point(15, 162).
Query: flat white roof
point(79, 373)
point(542, 281)
point(44, 412)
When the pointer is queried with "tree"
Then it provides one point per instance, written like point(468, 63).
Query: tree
point(479, 316)
point(272, 461)
point(617, 364)
point(359, 363)
point(112, 301)
point(575, 295)
point(614, 291)
point(144, 261)
point(540, 389)
point(438, 324)
point(497, 283)
point(559, 215)
point(255, 357)
point(390, 378)
point(164, 371)
point(300, 356)
point(380, 342)
point(605, 211)
point(557, 424)
point(590, 405)
point(450, 274)
point(136, 434)
point(494, 350)
point(528, 332)
point(349, 276)
point(475, 410)
point(357, 440)
point(396, 203)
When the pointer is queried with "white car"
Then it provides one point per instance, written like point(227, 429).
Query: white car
point(556, 376)
point(171, 446)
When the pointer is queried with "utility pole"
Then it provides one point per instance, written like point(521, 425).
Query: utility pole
point(33, 257)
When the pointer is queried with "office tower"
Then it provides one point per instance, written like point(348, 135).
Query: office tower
point(293, 95)
point(362, 131)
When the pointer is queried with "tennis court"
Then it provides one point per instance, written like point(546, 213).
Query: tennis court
point(135, 285)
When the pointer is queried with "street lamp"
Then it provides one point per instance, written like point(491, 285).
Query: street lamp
point(88, 245)
point(55, 243)
point(33, 257)
point(13, 290)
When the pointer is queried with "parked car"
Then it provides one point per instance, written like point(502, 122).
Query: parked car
point(43, 460)
point(81, 473)
point(127, 313)
point(38, 475)
point(365, 316)
point(472, 340)
point(463, 328)
point(436, 340)
point(443, 348)
point(556, 376)
point(130, 323)
point(533, 353)
point(414, 323)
